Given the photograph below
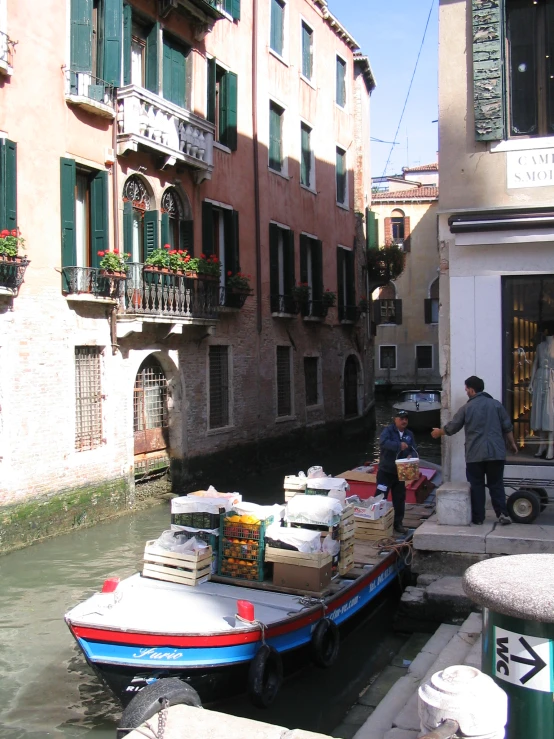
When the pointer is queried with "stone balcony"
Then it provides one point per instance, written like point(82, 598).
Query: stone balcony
point(147, 122)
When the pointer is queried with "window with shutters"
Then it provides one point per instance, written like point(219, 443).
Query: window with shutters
point(341, 178)
point(88, 398)
point(307, 158)
point(219, 394)
point(311, 380)
point(346, 285)
point(341, 82)
point(398, 229)
point(387, 308)
point(277, 26)
point(232, 7)
point(220, 236)
point(140, 224)
point(311, 273)
point(281, 270)
point(387, 357)
point(276, 157)
point(138, 54)
point(424, 356)
point(8, 184)
point(513, 69)
point(431, 305)
point(177, 226)
point(174, 77)
point(284, 381)
point(307, 51)
point(222, 103)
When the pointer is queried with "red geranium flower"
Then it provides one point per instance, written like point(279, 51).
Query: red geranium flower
point(14, 232)
point(101, 253)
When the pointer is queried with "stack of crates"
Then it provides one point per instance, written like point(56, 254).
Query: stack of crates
point(294, 485)
point(347, 529)
point(201, 524)
point(242, 548)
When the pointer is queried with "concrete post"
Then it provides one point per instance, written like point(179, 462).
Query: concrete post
point(466, 695)
point(454, 504)
point(517, 595)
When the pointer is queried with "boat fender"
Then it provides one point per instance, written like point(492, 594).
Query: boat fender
point(325, 643)
point(150, 700)
point(265, 676)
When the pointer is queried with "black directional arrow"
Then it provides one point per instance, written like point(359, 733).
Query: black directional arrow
point(537, 662)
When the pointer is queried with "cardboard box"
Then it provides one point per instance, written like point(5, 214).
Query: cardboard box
point(314, 579)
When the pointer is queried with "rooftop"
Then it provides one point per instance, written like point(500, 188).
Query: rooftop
point(425, 192)
point(422, 168)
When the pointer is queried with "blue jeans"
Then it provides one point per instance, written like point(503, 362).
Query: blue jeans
point(476, 472)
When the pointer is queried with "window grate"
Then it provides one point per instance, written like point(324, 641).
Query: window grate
point(88, 398)
point(219, 386)
point(310, 377)
point(284, 404)
point(150, 398)
point(387, 357)
point(424, 356)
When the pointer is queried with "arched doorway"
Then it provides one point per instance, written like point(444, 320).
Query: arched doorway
point(351, 387)
point(150, 408)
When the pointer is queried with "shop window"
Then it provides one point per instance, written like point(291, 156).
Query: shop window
point(284, 384)
point(424, 356)
point(387, 357)
point(219, 386)
point(528, 362)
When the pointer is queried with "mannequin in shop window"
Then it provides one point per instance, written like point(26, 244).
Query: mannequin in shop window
point(541, 387)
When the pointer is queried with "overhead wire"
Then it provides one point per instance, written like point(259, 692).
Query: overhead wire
point(410, 86)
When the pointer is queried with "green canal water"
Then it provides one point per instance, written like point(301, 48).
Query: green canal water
point(48, 690)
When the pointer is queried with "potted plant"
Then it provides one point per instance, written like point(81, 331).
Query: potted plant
point(238, 282)
point(205, 267)
point(113, 263)
point(10, 244)
point(158, 260)
point(329, 299)
point(301, 294)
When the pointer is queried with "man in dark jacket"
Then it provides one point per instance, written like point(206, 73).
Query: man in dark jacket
point(488, 429)
point(396, 441)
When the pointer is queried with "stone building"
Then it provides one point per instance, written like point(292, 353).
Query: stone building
point(404, 211)
point(222, 128)
point(496, 226)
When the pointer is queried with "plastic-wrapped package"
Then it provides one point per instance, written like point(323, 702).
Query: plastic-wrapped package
point(331, 546)
point(262, 512)
point(313, 509)
point(170, 541)
point(302, 540)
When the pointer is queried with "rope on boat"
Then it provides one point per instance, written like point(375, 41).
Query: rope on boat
point(308, 601)
point(403, 549)
point(260, 624)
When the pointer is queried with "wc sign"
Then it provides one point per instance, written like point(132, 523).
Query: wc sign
point(524, 660)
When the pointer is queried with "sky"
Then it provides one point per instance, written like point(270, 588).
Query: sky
point(390, 34)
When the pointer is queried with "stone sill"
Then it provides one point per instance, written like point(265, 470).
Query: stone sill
point(87, 298)
point(91, 106)
point(7, 292)
point(283, 315)
point(312, 319)
point(6, 69)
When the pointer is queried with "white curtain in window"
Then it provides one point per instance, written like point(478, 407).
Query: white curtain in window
point(81, 221)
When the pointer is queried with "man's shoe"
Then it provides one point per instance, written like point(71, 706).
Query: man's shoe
point(399, 529)
point(504, 519)
point(477, 523)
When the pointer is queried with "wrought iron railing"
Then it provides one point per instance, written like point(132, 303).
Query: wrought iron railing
point(314, 309)
point(232, 298)
point(90, 281)
point(284, 304)
point(84, 84)
point(6, 50)
point(156, 293)
point(348, 313)
point(12, 274)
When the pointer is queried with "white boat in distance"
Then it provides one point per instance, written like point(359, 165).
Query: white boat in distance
point(423, 406)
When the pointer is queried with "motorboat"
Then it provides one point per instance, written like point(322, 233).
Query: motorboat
point(423, 406)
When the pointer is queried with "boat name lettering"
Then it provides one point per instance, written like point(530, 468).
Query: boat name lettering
point(346, 607)
point(153, 654)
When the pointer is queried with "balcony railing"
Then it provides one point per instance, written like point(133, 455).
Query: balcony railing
point(6, 53)
point(155, 293)
point(232, 298)
point(11, 275)
point(147, 120)
point(92, 93)
point(89, 281)
point(349, 313)
point(284, 304)
point(314, 309)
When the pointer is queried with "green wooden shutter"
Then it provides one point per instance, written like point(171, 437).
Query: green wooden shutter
point(350, 279)
point(306, 156)
point(165, 231)
point(150, 231)
point(371, 229)
point(304, 246)
point(232, 92)
point(127, 38)
point(232, 258)
point(274, 267)
point(99, 216)
point(8, 184)
point(207, 228)
point(275, 161)
point(341, 82)
point(398, 312)
point(81, 36)
point(174, 74)
point(289, 275)
point(488, 69)
point(212, 81)
point(186, 236)
point(128, 227)
point(112, 41)
point(68, 181)
point(235, 9)
point(317, 269)
point(306, 52)
point(341, 177)
point(152, 66)
point(428, 310)
point(340, 281)
point(276, 38)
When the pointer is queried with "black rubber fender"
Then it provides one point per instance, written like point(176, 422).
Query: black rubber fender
point(149, 701)
point(325, 643)
point(265, 676)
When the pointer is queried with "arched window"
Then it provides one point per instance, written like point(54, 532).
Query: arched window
point(140, 224)
point(177, 228)
point(397, 225)
point(150, 410)
point(397, 229)
point(432, 303)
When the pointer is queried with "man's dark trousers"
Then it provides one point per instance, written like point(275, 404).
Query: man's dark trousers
point(398, 490)
point(476, 472)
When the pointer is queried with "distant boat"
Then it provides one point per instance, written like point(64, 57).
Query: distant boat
point(424, 407)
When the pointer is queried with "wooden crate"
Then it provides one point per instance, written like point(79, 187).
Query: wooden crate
point(187, 569)
point(288, 556)
point(369, 530)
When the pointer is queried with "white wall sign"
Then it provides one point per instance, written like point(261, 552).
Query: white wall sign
point(523, 660)
point(532, 168)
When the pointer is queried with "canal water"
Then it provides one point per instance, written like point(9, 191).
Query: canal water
point(48, 690)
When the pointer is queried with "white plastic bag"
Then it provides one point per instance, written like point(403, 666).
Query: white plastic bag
point(304, 540)
point(330, 546)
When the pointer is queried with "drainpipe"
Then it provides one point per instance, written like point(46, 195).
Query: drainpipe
point(115, 204)
point(256, 165)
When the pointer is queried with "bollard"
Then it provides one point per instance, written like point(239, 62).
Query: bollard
point(465, 695)
point(517, 595)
